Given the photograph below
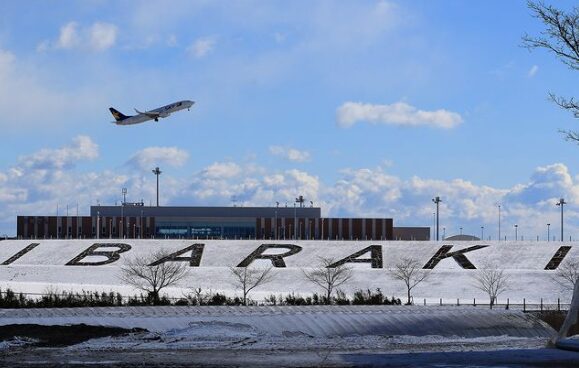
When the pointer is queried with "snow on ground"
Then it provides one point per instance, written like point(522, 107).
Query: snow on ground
point(44, 267)
point(339, 336)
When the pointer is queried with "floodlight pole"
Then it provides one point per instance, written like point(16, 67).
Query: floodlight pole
point(437, 201)
point(499, 222)
point(157, 172)
point(561, 203)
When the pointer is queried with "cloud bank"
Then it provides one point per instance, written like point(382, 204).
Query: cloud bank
point(398, 113)
point(37, 182)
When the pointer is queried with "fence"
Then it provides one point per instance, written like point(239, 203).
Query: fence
point(524, 304)
point(114, 297)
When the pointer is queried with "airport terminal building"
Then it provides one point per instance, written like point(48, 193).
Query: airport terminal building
point(134, 221)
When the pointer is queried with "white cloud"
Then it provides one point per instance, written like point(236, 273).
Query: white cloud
point(68, 37)
point(7, 60)
point(222, 170)
point(82, 148)
point(398, 113)
point(290, 154)
point(150, 157)
point(201, 47)
point(533, 71)
point(99, 36)
point(34, 185)
point(102, 36)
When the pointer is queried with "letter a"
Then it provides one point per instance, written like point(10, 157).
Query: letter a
point(194, 260)
point(375, 257)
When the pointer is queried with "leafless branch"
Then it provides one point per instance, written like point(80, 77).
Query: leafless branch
point(410, 272)
point(248, 279)
point(139, 273)
point(560, 34)
point(492, 281)
point(567, 274)
point(328, 278)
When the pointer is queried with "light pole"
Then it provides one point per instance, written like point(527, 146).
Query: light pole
point(482, 233)
point(499, 221)
point(516, 232)
point(124, 191)
point(98, 224)
point(561, 203)
point(157, 172)
point(433, 224)
point(110, 228)
point(295, 222)
point(461, 230)
point(437, 201)
point(141, 226)
point(548, 231)
point(443, 232)
point(275, 229)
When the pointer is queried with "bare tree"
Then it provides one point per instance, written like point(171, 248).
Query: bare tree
point(567, 274)
point(492, 281)
point(146, 273)
point(561, 37)
point(248, 279)
point(329, 276)
point(409, 271)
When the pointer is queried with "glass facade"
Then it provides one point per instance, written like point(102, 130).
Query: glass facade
point(205, 230)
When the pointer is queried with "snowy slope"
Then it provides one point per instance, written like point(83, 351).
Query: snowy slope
point(524, 262)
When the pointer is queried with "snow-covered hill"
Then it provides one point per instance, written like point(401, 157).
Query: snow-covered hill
point(35, 265)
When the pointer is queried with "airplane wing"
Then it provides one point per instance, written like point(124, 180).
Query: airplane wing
point(151, 114)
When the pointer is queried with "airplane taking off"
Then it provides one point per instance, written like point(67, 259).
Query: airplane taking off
point(161, 112)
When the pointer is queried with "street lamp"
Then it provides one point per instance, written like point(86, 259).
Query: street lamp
point(548, 231)
point(499, 221)
point(157, 172)
point(443, 232)
point(561, 203)
point(124, 191)
point(461, 230)
point(516, 232)
point(98, 224)
point(482, 233)
point(275, 229)
point(437, 201)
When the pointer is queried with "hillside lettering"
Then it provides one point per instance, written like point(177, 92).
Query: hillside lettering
point(111, 256)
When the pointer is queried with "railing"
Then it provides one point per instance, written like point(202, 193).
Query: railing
point(520, 305)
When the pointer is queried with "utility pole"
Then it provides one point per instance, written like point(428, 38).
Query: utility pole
point(157, 172)
point(499, 221)
point(561, 203)
point(437, 201)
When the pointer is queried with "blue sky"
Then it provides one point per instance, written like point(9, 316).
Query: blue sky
point(368, 108)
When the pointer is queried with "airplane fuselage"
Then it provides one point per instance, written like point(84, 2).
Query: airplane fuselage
point(161, 112)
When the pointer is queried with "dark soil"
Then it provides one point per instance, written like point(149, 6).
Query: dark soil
point(555, 319)
point(54, 336)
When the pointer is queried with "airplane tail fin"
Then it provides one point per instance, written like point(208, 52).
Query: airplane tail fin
point(117, 115)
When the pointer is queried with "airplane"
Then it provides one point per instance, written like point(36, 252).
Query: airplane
point(161, 112)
